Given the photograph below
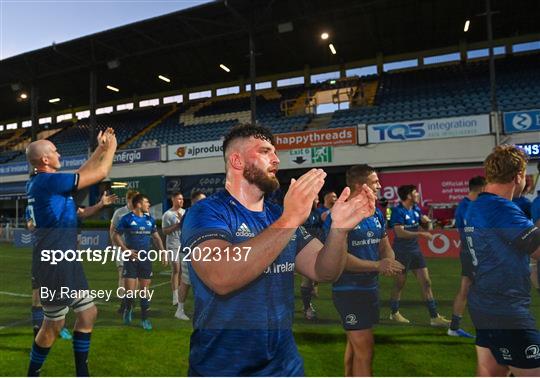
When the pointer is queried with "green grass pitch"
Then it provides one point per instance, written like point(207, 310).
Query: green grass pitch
point(118, 350)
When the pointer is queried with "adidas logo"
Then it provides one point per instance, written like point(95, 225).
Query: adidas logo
point(244, 230)
point(133, 223)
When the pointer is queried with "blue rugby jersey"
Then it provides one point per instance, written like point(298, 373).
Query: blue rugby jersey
point(501, 238)
point(362, 242)
point(410, 220)
point(54, 213)
point(247, 332)
point(137, 231)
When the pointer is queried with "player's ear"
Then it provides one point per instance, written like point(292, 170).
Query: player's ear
point(236, 161)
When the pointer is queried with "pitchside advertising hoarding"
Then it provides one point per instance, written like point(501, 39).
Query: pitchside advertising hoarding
point(429, 129)
point(445, 244)
point(195, 150)
point(522, 121)
point(446, 186)
point(287, 141)
point(74, 162)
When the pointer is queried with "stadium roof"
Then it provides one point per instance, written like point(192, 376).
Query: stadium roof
point(188, 46)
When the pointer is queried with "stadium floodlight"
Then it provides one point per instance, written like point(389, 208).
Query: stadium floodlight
point(164, 78)
point(111, 88)
point(53, 100)
point(466, 27)
point(23, 96)
point(332, 48)
point(324, 36)
point(224, 68)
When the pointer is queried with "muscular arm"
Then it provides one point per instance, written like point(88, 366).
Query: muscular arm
point(97, 167)
point(226, 275)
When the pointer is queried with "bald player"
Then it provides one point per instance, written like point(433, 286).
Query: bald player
point(54, 215)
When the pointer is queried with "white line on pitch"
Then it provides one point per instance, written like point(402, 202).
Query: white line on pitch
point(15, 294)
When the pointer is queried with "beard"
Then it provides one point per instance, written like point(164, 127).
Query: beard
point(259, 178)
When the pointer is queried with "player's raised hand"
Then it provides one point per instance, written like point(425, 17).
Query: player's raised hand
point(299, 198)
point(107, 199)
point(347, 213)
point(109, 139)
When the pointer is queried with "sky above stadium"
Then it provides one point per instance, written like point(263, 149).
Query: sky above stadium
point(27, 25)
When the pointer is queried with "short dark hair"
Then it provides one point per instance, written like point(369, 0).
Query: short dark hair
point(404, 191)
point(477, 183)
point(357, 174)
point(176, 193)
point(196, 193)
point(138, 198)
point(246, 131)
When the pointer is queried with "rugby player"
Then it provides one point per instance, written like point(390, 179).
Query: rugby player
point(139, 229)
point(502, 240)
point(406, 219)
point(476, 186)
point(170, 225)
point(243, 252)
point(355, 293)
point(54, 215)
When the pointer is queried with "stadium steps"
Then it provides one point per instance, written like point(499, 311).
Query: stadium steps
point(149, 127)
point(242, 117)
point(13, 140)
point(187, 117)
point(320, 122)
point(296, 106)
point(370, 92)
point(271, 94)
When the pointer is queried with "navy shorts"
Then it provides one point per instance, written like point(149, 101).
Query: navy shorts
point(467, 267)
point(357, 309)
point(411, 260)
point(519, 348)
point(137, 269)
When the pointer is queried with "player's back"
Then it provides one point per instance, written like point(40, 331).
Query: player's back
point(502, 285)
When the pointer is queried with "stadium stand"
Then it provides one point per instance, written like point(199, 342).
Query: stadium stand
point(420, 93)
point(449, 90)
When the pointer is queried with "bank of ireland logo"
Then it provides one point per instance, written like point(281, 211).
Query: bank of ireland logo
point(351, 319)
point(435, 245)
point(27, 238)
point(522, 121)
point(532, 351)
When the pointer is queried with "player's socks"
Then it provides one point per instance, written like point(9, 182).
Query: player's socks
point(37, 318)
point(175, 298)
point(454, 325)
point(81, 346)
point(305, 292)
point(145, 304)
point(432, 307)
point(37, 358)
point(394, 305)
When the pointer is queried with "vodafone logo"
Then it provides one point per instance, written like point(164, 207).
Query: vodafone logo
point(440, 244)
